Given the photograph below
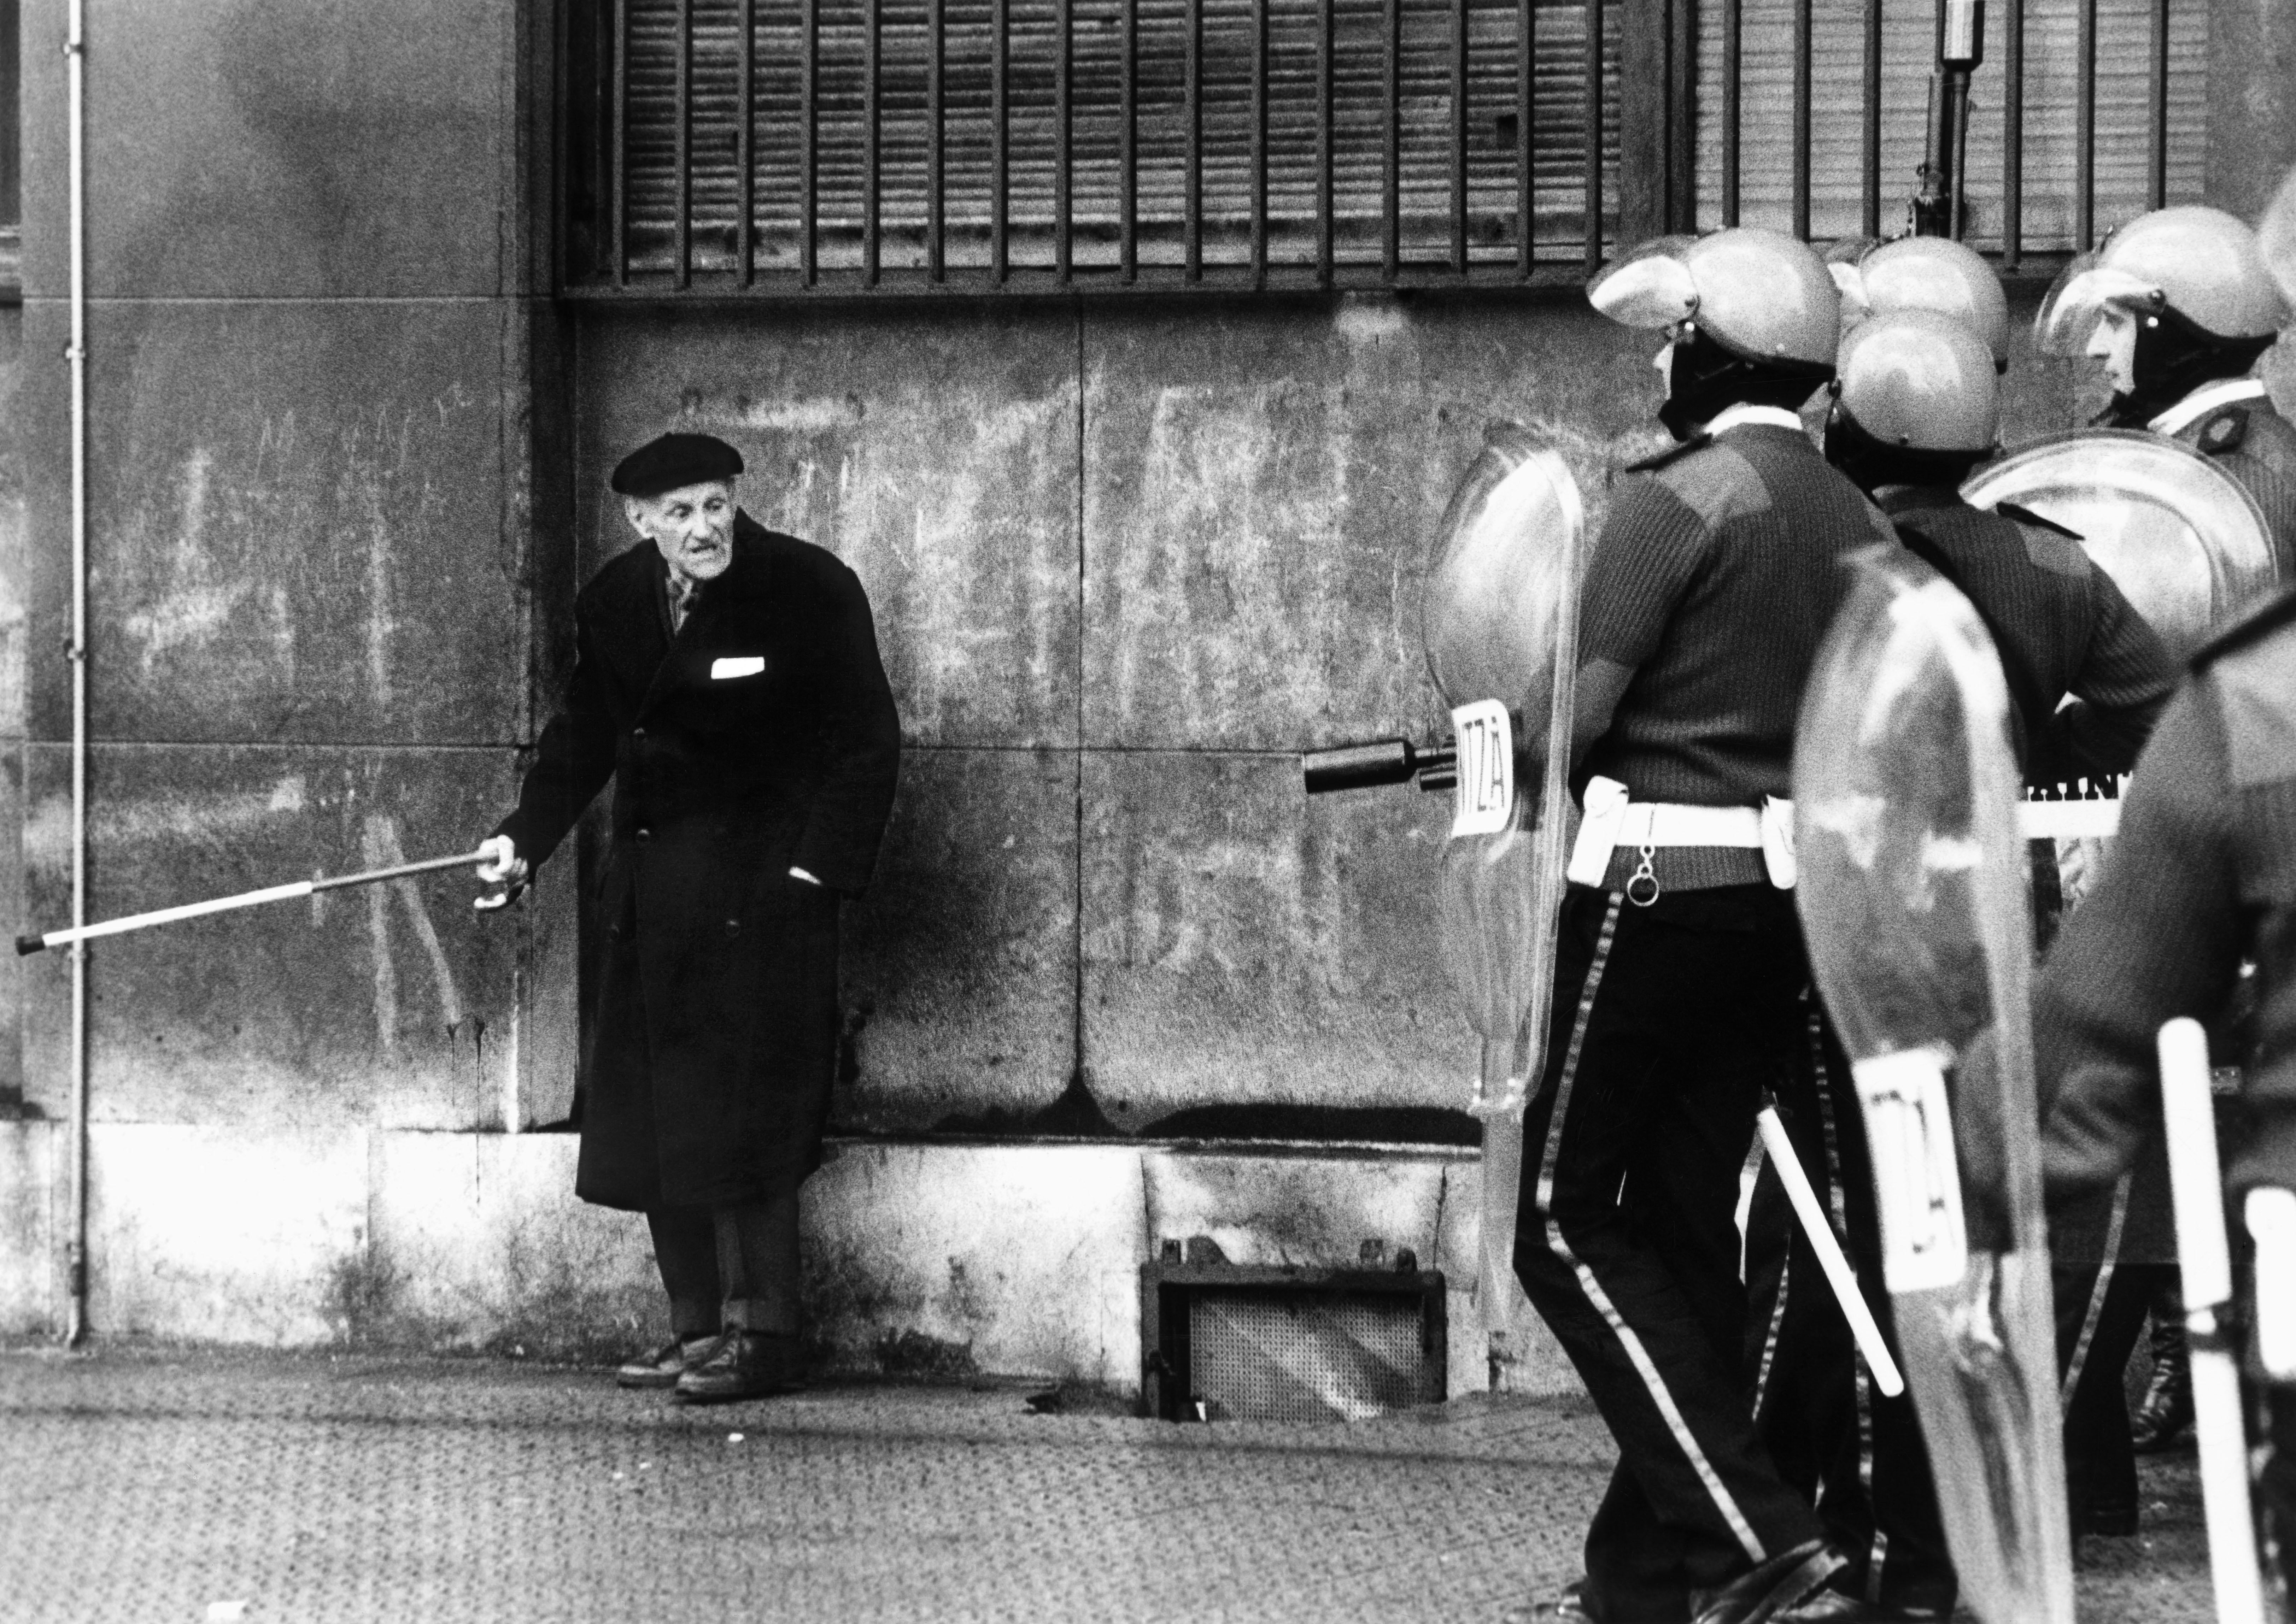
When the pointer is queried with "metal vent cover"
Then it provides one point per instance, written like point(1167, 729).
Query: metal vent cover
point(1229, 1342)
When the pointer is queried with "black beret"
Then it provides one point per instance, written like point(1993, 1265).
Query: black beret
point(675, 461)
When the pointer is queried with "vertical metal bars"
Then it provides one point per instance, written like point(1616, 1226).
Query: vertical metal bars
point(1391, 139)
point(1192, 224)
point(1000, 156)
point(1064, 144)
point(1128, 145)
point(873, 90)
point(1259, 144)
point(809, 145)
point(1526, 182)
point(1459, 137)
point(1325, 139)
point(1801, 99)
point(2157, 129)
point(682, 117)
point(621, 138)
point(2012, 134)
point(1870, 145)
point(936, 142)
point(1593, 182)
point(2085, 131)
point(745, 156)
point(1732, 65)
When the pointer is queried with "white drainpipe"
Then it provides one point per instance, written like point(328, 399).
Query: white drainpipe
point(75, 53)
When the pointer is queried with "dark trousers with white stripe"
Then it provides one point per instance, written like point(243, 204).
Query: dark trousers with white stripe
point(1857, 1453)
point(1668, 1022)
point(2101, 1313)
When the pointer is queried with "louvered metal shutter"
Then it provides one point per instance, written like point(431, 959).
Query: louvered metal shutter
point(1143, 141)
point(2131, 73)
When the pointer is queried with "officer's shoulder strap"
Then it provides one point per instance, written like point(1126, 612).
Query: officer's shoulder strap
point(2222, 431)
point(2026, 516)
point(2270, 617)
point(1671, 456)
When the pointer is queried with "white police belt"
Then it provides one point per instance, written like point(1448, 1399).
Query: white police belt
point(1613, 821)
point(2271, 1213)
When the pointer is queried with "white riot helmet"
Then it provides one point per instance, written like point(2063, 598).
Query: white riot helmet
point(1926, 274)
point(1753, 313)
point(1915, 400)
point(2193, 282)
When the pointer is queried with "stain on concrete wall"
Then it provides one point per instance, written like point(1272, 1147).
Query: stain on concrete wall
point(279, 147)
point(296, 519)
point(388, 1006)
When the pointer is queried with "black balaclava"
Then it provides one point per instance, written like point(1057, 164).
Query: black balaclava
point(2173, 358)
point(1704, 380)
point(1871, 463)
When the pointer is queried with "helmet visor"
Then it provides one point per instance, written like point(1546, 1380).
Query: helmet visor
point(2275, 238)
point(1857, 305)
point(1651, 287)
point(2084, 290)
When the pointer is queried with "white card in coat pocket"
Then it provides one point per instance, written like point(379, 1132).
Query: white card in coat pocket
point(736, 665)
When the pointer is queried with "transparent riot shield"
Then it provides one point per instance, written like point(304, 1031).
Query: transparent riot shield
point(1500, 620)
point(2183, 540)
point(1913, 896)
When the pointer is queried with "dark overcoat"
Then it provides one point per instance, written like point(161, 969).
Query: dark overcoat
point(761, 737)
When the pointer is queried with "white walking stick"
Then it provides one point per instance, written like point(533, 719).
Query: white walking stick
point(2196, 1185)
point(245, 899)
point(1829, 1254)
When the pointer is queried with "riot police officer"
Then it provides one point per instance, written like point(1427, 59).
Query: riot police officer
point(2179, 306)
point(1916, 407)
point(2204, 879)
point(1679, 964)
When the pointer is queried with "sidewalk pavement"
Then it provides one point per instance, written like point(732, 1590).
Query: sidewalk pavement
point(141, 1485)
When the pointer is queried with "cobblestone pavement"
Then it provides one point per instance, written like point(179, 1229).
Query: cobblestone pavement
point(140, 1486)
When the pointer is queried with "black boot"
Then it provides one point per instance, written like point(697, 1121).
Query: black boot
point(2166, 1413)
point(1788, 1589)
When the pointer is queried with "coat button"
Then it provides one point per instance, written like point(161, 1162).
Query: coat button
point(732, 928)
point(638, 734)
point(644, 835)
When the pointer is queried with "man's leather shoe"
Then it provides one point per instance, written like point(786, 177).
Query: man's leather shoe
point(1788, 1589)
point(744, 1364)
point(667, 1363)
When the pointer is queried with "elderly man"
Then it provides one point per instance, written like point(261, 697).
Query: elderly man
point(726, 678)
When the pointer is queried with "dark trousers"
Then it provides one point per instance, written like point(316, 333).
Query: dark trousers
point(1669, 1023)
point(729, 1268)
point(2101, 1312)
point(1857, 1453)
point(2276, 1484)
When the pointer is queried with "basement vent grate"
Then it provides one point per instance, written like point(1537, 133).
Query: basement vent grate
point(1226, 1343)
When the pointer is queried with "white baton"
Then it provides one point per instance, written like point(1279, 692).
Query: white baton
point(1829, 1254)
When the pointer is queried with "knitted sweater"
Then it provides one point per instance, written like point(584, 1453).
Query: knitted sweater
point(2256, 445)
point(2062, 627)
point(2203, 876)
point(1704, 599)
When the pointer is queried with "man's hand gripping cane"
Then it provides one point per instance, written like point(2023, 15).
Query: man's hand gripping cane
point(501, 866)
